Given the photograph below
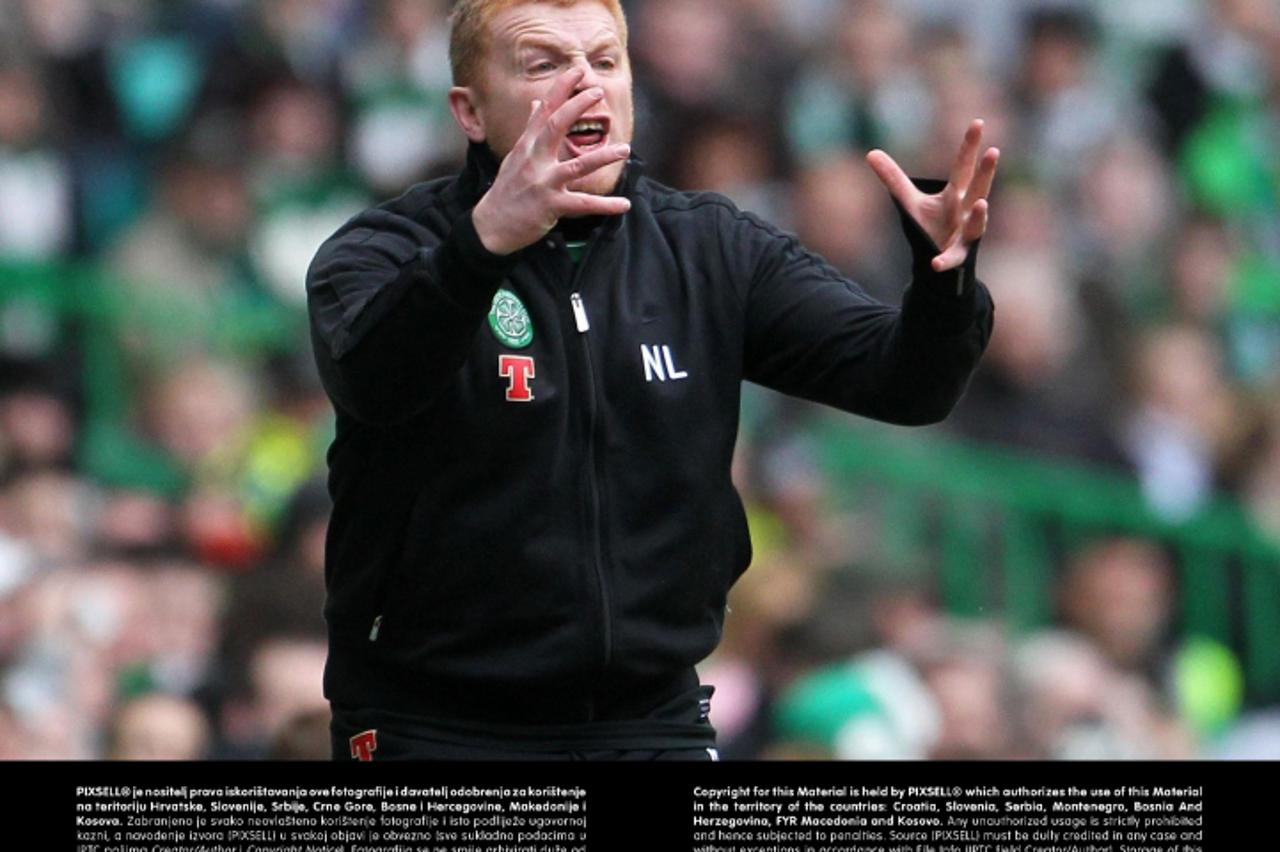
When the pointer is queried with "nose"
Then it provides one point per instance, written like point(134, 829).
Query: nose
point(589, 76)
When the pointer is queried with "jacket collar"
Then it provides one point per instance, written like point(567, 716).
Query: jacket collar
point(482, 167)
point(478, 174)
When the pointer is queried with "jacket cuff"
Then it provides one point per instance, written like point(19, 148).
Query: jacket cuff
point(950, 299)
point(469, 272)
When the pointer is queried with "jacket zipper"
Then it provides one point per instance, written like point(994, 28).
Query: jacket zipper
point(583, 325)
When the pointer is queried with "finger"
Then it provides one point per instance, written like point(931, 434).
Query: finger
point(558, 124)
point(982, 181)
point(967, 157)
point(535, 114)
point(581, 166)
point(957, 251)
point(587, 204)
point(563, 87)
point(529, 136)
point(953, 257)
point(892, 176)
point(976, 225)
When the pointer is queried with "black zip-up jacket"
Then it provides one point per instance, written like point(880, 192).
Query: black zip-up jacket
point(553, 541)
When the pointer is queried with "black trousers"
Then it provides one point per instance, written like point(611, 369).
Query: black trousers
point(390, 746)
point(678, 730)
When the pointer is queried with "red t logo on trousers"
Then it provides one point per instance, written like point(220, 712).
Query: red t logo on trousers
point(517, 370)
point(363, 745)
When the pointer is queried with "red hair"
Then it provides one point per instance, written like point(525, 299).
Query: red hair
point(469, 38)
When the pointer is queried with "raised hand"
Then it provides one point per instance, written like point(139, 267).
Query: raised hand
point(531, 192)
point(956, 217)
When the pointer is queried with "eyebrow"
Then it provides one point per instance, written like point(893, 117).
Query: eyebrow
point(541, 42)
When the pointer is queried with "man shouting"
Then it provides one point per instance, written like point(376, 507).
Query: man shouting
point(536, 368)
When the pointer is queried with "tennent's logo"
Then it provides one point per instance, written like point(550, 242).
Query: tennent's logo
point(363, 745)
point(517, 370)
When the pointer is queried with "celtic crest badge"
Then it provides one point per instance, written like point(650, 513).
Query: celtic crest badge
point(510, 321)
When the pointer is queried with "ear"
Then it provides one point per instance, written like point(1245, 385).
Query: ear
point(465, 106)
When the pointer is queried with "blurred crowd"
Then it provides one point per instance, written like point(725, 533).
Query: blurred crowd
point(162, 434)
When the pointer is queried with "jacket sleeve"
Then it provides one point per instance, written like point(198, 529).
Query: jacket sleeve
point(812, 333)
point(394, 309)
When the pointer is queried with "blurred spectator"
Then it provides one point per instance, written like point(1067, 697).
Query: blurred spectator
point(1126, 210)
point(963, 667)
point(751, 663)
point(1200, 273)
point(50, 512)
point(158, 727)
point(37, 429)
point(299, 182)
point(285, 595)
point(1064, 109)
point(307, 36)
point(841, 213)
point(84, 625)
point(1226, 160)
point(402, 130)
point(201, 410)
point(184, 263)
point(218, 531)
point(1226, 56)
point(1073, 706)
point(185, 619)
point(1260, 485)
point(34, 177)
point(790, 488)
point(1119, 593)
point(693, 58)
point(844, 681)
point(1030, 391)
point(1256, 737)
point(1181, 424)
point(731, 156)
point(282, 685)
point(865, 92)
point(873, 707)
point(959, 90)
point(304, 737)
point(135, 523)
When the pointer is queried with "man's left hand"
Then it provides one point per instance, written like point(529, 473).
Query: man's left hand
point(956, 217)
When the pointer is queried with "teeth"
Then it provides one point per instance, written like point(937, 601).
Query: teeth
point(587, 127)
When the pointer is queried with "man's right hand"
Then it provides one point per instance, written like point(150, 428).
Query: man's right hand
point(530, 193)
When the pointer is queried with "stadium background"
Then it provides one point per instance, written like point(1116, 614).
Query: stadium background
point(1082, 563)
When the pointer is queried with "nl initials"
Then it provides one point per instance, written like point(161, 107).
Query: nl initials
point(659, 364)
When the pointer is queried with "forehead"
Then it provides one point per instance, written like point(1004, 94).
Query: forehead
point(578, 25)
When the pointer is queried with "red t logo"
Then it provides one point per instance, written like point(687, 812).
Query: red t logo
point(517, 370)
point(363, 745)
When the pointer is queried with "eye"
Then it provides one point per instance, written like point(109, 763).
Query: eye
point(542, 66)
point(606, 63)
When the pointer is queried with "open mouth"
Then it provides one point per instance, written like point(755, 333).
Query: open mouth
point(588, 133)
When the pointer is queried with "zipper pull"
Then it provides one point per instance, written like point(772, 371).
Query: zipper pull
point(377, 625)
point(579, 312)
